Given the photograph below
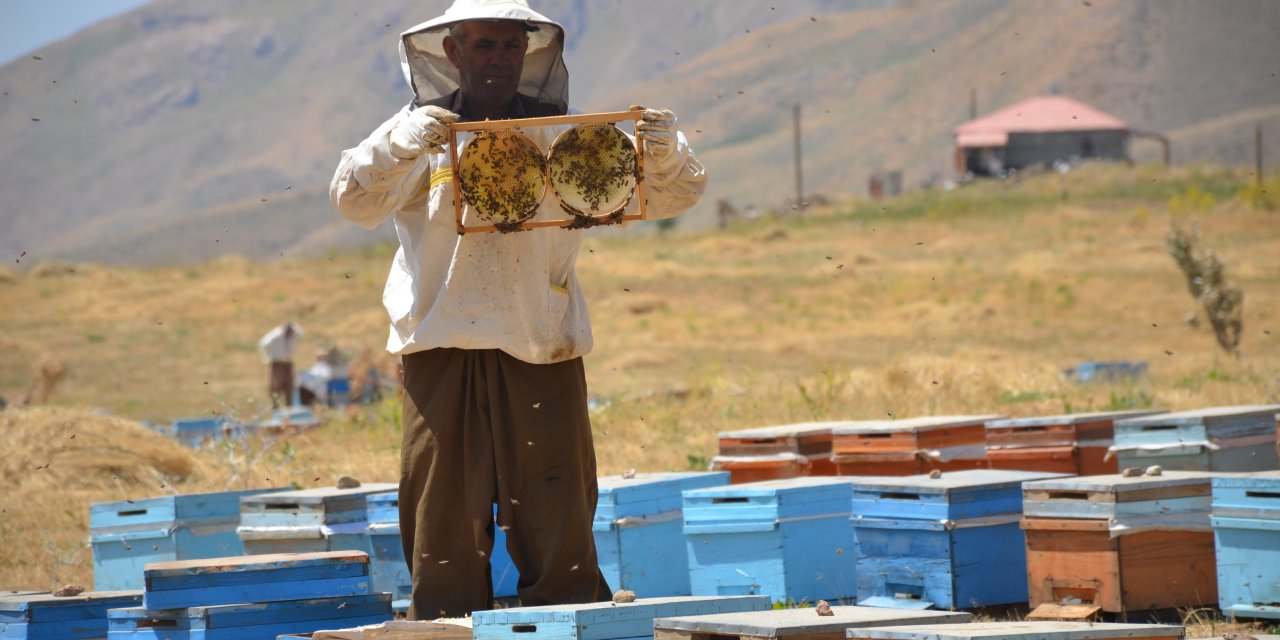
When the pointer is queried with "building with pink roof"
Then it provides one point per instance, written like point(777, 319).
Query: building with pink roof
point(1039, 131)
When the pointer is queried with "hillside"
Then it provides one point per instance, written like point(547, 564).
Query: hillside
point(186, 130)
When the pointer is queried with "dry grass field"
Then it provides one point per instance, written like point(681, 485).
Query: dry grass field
point(964, 301)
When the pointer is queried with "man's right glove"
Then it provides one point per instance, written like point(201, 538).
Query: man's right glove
point(423, 129)
point(657, 127)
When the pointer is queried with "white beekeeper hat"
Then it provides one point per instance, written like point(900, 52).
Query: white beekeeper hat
point(431, 75)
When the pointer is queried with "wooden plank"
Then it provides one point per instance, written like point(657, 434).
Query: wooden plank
point(601, 620)
point(794, 624)
point(1023, 630)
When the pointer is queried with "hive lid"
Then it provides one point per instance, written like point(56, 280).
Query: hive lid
point(1030, 630)
point(923, 423)
point(1071, 418)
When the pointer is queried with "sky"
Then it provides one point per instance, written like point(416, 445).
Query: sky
point(31, 24)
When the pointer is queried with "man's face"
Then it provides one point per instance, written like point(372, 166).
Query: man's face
point(489, 56)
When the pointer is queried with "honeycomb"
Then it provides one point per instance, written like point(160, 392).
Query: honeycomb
point(593, 169)
point(502, 176)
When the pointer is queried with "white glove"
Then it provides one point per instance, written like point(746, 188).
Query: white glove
point(424, 129)
point(657, 127)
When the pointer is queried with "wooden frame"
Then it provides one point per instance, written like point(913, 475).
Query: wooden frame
point(611, 117)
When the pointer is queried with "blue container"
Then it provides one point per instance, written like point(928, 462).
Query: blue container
point(386, 553)
point(264, 578)
point(308, 520)
point(947, 542)
point(638, 530)
point(1239, 438)
point(787, 539)
point(256, 621)
point(600, 620)
point(195, 432)
point(43, 616)
point(1246, 534)
point(126, 535)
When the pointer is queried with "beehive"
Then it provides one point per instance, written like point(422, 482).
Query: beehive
point(947, 542)
point(777, 452)
point(911, 446)
point(1236, 438)
point(1119, 544)
point(797, 624)
point(128, 534)
point(1246, 528)
point(249, 621)
point(638, 531)
point(788, 539)
point(44, 616)
point(259, 578)
point(1074, 443)
point(389, 571)
point(601, 620)
point(307, 520)
point(1032, 630)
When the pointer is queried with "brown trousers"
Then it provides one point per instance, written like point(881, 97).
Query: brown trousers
point(481, 427)
point(280, 384)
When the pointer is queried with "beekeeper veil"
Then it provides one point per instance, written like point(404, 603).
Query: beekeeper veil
point(431, 75)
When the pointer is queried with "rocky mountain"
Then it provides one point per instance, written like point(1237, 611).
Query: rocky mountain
point(186, 129)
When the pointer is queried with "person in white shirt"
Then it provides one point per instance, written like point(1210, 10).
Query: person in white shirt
point(491, 327)
point(277, 348)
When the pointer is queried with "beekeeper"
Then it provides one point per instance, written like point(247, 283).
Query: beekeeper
point(491, 327)
point(276, 348)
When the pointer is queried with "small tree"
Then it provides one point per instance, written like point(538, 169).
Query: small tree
point(1222, 301)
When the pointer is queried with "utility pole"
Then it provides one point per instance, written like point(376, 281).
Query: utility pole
point(1257, 154)
point(799, 172)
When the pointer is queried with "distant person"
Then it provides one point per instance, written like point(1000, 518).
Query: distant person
point(491, 327)
point(277, 349)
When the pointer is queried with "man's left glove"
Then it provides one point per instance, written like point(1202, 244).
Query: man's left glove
point(657, 127)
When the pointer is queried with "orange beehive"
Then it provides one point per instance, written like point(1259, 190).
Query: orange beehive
point(776, 453)
point(911, 446)
point(1071, 443)
point(1119, 544)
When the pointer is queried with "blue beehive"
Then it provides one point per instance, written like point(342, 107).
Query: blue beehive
point(1239, 438)
point(195, 432)
point(386, 553)
point(250, 621)
point(44, 616)
point(260, 578)
point(308, 520)
point(797, 624)
point(788, 539)
point(947, 542)
point(1246, 531)
point(126, 535)
point(600, 620)
point(638, 531)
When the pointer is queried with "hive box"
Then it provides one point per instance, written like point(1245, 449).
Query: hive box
point(249, 621)
point(948, 542)
point(1119, 544)
point(195, 432)
point(389, 571)
point(1246, 529)
point(774, 453)
point(44, 616)
point(639, 534)
point(260, 578)
point(1023, 631)
point(787, 539)
point(601, 620)
point(128, 534)
point(1239, 438)
point(797, 624)
point(308, 520)
point(911, 446)
point(1074, 443)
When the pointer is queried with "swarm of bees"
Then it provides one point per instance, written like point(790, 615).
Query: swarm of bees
point(501, 174)
point(593, 169)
